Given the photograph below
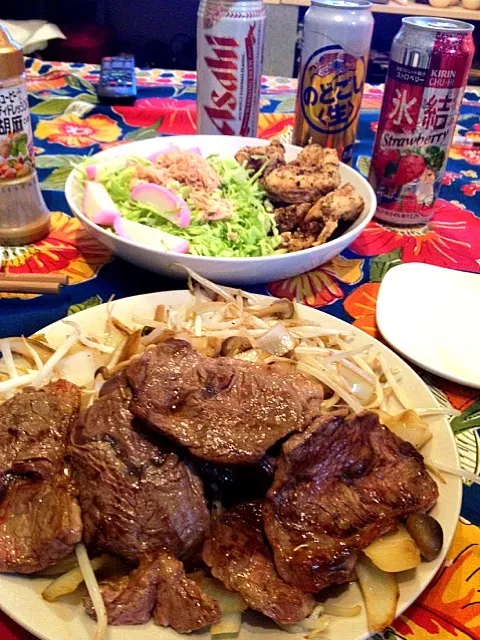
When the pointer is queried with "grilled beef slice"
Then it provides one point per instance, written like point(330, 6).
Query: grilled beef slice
point(337, 488)
point(181, 604)
point(237, 555)
point(136, 495)
point(39, 515)
point(224, 410)
point(158, 587)
point(34, 430)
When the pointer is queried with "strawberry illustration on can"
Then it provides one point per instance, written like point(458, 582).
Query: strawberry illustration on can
point(427, 75)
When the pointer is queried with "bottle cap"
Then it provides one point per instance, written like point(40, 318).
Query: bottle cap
point(11, 57)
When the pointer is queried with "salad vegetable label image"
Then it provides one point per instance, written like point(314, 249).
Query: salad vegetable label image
point(16, 144)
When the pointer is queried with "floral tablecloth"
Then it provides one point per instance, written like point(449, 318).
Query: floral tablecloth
point(68, 122)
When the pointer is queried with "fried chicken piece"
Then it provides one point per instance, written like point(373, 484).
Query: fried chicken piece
point(295, 183)
point(327, 232)
point(319, 228)
point(310, 233)
point(299, 240)
point(253, 158)
point(314, 173)
point(288, 218)
point(342, 204)
point(296, 241)
point(302, 229)
point(313, 155)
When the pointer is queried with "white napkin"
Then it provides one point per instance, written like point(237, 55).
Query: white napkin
point(33, 35)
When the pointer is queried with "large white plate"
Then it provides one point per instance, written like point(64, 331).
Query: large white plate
point(234, 271)
point(20, 596)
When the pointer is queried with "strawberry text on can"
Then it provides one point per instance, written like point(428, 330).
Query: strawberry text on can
point(230, 37)
point(336, 44)
point(429, 65)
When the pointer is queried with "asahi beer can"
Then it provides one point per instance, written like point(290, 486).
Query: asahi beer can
point(336, 44)
point(230, 37)
point(429, 65)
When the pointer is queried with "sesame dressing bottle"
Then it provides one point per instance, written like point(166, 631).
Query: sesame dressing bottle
point(24, 216)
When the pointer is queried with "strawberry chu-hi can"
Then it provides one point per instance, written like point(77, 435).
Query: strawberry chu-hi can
point(429, 65)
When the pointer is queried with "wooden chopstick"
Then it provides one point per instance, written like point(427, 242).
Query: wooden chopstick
point(28, 286)
point(34, 277)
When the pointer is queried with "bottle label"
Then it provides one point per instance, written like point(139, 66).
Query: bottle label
point(330, 95)
point(16, 141)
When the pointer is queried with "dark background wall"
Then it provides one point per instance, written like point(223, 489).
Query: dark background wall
point(161, 33)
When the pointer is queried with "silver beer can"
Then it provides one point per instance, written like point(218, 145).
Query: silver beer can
point(336, 45)
point(230, 39)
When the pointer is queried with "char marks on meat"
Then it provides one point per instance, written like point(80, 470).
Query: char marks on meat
point(136, 495)
point(34, 430)
point(158, 587)
point(224, 410)
point(40, 518)
point(40, 523)
point(337, 488)
point(237, 555)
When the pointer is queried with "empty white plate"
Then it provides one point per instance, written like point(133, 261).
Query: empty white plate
point(431, 316)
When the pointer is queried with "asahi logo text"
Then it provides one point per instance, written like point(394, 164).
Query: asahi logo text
point(224, 67)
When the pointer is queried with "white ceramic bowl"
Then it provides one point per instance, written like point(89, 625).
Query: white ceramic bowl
point(234, 271)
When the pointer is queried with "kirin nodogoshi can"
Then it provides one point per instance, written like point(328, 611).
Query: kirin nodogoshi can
point(230, 39)
point(336, 43)
point(428, 71)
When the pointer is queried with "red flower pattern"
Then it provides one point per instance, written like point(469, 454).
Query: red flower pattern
point(175, 117)
point(271, 125)
point(449, 240)
point(449, 178)
point(470, 189)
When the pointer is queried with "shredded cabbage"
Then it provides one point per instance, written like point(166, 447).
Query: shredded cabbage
point(250, 231)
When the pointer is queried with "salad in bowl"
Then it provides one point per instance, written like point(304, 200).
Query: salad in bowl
point(215, 203)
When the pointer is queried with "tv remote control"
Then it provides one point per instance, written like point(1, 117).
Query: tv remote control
point(117, 84)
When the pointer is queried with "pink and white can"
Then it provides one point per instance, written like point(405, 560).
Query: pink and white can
point(230, 39)
point(427, 75)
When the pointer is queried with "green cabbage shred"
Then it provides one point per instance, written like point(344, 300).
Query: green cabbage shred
point(250, 231)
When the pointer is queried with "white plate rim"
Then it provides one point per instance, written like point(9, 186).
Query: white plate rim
point(19, 613)
point(441, 373)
